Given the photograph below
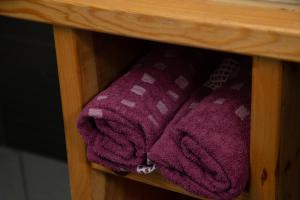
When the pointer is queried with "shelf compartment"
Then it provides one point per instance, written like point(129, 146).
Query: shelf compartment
point(275, 125)
point(157, 180)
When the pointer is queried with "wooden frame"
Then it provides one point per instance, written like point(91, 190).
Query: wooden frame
point(271, 81)
point(87, 63)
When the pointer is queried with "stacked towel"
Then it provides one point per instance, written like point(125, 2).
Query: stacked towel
point(121, 124)
point(205, 149)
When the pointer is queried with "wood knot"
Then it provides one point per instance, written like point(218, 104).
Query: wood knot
point(264, 176)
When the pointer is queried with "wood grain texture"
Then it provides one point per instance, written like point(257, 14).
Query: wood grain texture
point(155, 179)
point(275, 130)
point(272, 31)
point(98, 185)
point(74, 94)
point(289, 167)
point(265, 127)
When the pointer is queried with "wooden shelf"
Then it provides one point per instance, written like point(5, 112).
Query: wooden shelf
point(240, 26)
point(155, 179)
point(255, 28)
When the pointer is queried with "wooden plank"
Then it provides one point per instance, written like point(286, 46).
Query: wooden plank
point(289, 167)
point(265, 127)
point(98, 185)
point(271, 30)
point(75, 66)
point(155, 179)
point(275, 131)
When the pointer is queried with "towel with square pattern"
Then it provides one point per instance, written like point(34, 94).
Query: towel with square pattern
point(205, 149)
point(121, 123)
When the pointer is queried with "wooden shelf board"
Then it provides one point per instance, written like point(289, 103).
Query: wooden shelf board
point(155, 179)
point(265, 29)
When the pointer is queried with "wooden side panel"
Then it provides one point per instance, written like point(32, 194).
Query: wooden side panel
point(75, 91)
point(265, 127)
point(98, 185)
point(289, 170)
point(275, 130)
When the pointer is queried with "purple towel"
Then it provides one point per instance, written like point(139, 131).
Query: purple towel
point(205, 149)
point(121, 124)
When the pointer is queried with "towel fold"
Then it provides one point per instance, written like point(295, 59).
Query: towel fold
point(121, 124)
point(205, 149)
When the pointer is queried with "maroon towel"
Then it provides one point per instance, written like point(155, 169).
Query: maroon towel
point(121, 124)
point(205, 149)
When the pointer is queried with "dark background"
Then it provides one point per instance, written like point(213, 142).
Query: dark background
point(30, 112)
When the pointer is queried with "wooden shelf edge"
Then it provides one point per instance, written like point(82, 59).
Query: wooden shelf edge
point(250, 29)
point(156, 180)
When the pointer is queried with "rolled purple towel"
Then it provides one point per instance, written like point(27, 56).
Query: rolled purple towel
point(205, 149)
point(121, 124)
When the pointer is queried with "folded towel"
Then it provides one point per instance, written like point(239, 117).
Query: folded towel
point(205, 149)
point(121, 124)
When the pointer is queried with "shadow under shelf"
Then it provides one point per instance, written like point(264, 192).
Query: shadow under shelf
point(157, 180)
